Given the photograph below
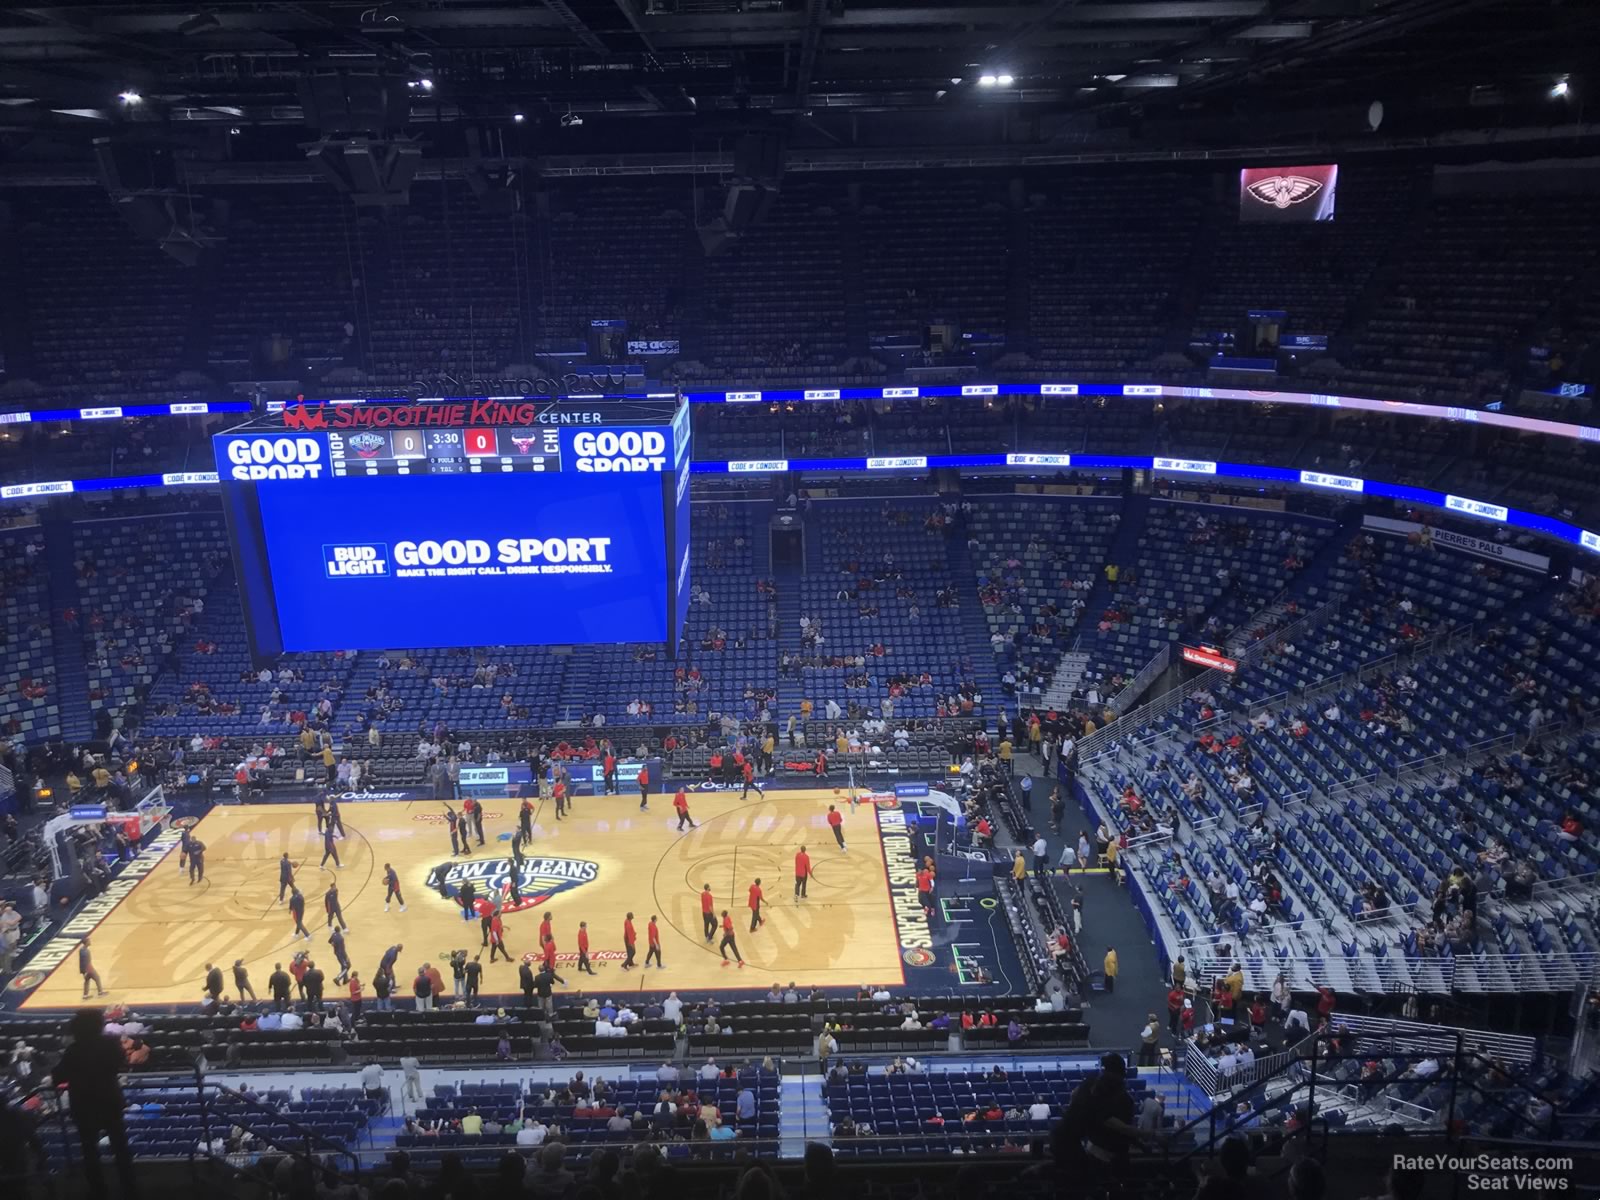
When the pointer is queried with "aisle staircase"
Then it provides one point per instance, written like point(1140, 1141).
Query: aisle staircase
point(72, 666)
point(790, 688)
point(804, 1115)
point(1124, 550)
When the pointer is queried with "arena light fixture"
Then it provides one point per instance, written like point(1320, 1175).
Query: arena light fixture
point(987, 80)
point(518, 118)
point(427, 85)
point(1005, 80)
point(1561, 88)
point(130, 98)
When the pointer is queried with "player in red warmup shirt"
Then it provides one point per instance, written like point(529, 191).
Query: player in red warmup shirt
point(583, 948)
point(708, 914)
point(756, 919)
point(836, 823)
point(680, 802)
point(630, 941)
point(802, 873)
point(653, 947)
point(727, 942)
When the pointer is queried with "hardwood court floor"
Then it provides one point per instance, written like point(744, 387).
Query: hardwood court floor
point(153, 947)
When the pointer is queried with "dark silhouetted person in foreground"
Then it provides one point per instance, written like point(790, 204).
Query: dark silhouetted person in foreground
point(89, 1068)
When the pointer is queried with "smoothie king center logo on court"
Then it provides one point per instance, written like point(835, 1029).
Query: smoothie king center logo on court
point(540, 878)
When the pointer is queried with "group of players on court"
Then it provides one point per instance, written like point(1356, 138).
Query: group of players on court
point(466, 827)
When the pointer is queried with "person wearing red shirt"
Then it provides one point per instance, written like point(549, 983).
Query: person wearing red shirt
point(727, 940)
point(497, 939)
point(653, 947)
point(609, 773)
point(925, 890)
point(559, 793)
point(836, 823)
point(822, 764)
point(715, 767)
point(708, 916)
point(802, 873)
point(1326, 999)
point(750, 782)
point(756, 919)
point(644, 788)
point(985, 832)
point(681, 803)
point(966, 1020)
point(355, 995)
point(1175, 1000)
point(548, 952)
point(583, 948)
point(629, 942)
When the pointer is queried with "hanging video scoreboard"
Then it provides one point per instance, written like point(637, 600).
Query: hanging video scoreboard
point(443, 451)
point(460, 523)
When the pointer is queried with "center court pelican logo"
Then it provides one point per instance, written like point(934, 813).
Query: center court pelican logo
point(539, 880)
point(1281, 191)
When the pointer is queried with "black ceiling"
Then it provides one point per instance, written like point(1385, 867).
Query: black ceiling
point(661, 76)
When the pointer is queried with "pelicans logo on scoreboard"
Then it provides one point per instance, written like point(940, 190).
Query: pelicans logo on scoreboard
point(367, 445)
point(539, 879)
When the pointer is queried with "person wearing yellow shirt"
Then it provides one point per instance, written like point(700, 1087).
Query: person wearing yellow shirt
point(841, 744)
point(769, 746)
point(1019, 867)
point(1111, 969)
point(1005, 750)
point(805, 709)
point(329, 763)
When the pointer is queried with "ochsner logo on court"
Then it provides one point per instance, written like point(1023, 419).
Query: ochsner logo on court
point(540, 878)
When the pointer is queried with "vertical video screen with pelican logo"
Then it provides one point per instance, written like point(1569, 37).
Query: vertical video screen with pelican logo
point(1288, 194)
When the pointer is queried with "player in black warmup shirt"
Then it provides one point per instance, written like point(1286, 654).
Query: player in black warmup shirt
point(335, 821)
point(285, 876)
point(330, 902)
point(329, 850)
point(391, 884)
point(197, 861)
point(297, 910)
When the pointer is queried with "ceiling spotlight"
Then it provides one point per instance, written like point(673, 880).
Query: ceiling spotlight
point(234, 131)
point(1006, 81)
point(954, 79)
point(1560, 89)
point(517, 117)
point(130, 97)
point(570, 119)
point(986, 81)
point(427, 85)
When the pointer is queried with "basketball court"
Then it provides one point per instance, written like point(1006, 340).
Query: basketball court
point(603, 860)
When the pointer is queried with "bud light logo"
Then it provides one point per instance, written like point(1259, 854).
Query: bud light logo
point(620, 450)
point(275, 458)
point(366, 561)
